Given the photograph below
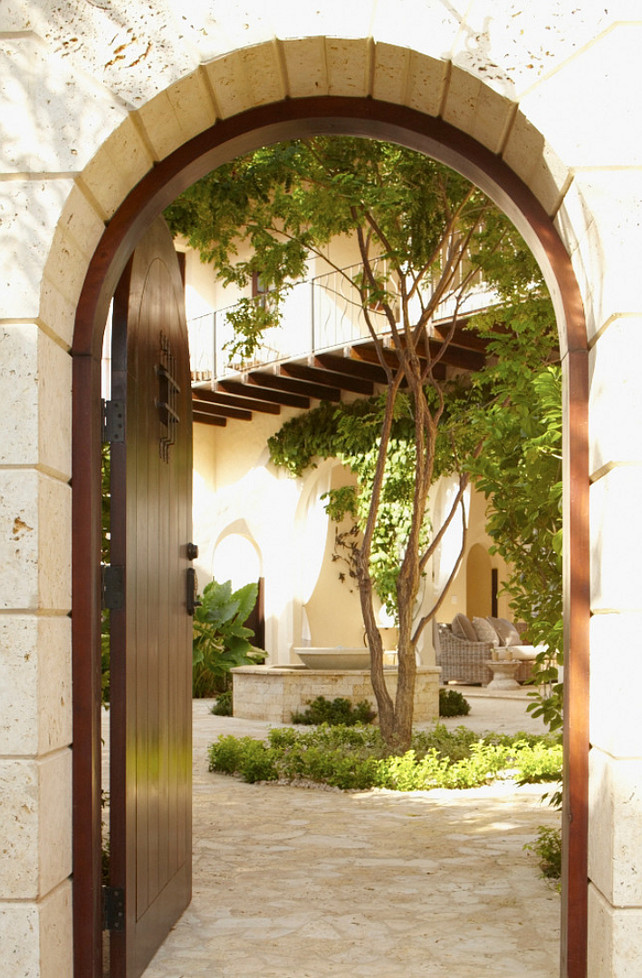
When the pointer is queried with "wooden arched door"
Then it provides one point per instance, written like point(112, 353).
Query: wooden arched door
point(151, 631)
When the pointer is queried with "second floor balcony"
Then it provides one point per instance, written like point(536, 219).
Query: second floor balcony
point(320, 315)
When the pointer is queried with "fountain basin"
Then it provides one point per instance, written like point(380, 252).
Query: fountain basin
point(334, 659)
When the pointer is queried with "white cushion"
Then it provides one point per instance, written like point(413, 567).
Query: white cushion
point(523, 651)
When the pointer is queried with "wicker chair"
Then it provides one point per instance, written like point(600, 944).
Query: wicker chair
point(464, 662)
point(460, 660)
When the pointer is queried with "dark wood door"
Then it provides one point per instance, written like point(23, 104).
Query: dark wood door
point(151, 635)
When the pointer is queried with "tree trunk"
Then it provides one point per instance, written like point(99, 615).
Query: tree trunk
point(395, 719)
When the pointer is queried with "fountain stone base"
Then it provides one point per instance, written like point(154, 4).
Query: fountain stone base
point(274, 693)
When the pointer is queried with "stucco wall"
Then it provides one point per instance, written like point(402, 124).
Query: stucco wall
point(94, 94)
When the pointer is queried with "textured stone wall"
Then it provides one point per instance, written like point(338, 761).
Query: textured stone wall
point(273, 694)
point(92, 95)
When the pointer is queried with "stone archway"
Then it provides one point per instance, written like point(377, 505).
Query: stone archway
point(224, 140)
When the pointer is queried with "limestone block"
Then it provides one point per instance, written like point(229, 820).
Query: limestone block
point(57, 312)
point(616, 673)
point(243, 79)
point(613, 939)
point(615, 828)
point(35, 693)
point(74, 242)
point(602, 78)
point(35, 822)
point(19, 940)
point(81, 222)
point(133, 54)
point(71, 116)
point(511, 45)
point(19, 393)
point(56, 933)
point(427, 78)
point(29, 212)
point(390, 75)
point(349, 66)
point(600, 220)
point(36, 938)
point(533, 159)
point(35, 390)
point(54, 406)
point(54, 836)
point(616, 540)
point(35, 541)
point(615, 400)
point(19, 845)
point(473, 107)
point(120, 163)
point(305, 67)
point(176, 115)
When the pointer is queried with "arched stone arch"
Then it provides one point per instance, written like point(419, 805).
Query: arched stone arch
point(364, 98)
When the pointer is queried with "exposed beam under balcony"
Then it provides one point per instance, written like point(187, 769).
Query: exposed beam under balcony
point(346, 364)
point(265, 379)
point(244, 389)
point(221, 411)
point(331, 378)
point(198, 417)
point(232, 400)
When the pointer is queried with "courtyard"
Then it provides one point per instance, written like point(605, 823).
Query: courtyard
point(310, 882)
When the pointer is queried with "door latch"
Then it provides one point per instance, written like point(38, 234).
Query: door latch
point(193, 600)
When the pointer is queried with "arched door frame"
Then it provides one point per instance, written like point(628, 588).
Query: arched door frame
point(224, 141)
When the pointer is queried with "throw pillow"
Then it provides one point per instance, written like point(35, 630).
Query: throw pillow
point(462, 627)
point(508, 634)
point(485, 631)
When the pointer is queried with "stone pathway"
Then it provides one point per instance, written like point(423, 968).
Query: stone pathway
point(294, 882)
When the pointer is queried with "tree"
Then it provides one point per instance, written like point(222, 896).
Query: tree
point(424, 233)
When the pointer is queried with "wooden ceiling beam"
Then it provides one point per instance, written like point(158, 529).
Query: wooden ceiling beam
point(233, 400)
point(318, 391)
point(331, 378)
point(199, 418)
point(222, 411)
point(368, 353)
point(265, 394)
point(346, 364)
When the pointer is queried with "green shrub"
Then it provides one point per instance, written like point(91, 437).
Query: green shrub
point(223, 706)
point(548, 848)
point(221, 641)
point(338, 712)
point(355, 758)
point(452, 703)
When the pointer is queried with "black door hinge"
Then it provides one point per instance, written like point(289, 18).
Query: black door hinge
point(113, 908)
point(113, 421)
point(113, 587)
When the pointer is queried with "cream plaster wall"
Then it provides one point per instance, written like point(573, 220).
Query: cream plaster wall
point(92, 95)
point(235, 486)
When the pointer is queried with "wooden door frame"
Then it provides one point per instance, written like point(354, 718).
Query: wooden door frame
point(224, 141)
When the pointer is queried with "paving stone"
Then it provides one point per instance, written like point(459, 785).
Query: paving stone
point(293, 882)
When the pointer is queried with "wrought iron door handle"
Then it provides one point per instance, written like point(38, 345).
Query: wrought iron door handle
point(193, 600)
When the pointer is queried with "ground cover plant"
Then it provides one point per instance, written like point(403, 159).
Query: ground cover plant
point(356, 758)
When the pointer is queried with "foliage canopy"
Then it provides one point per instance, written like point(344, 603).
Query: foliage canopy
point(424, 235)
